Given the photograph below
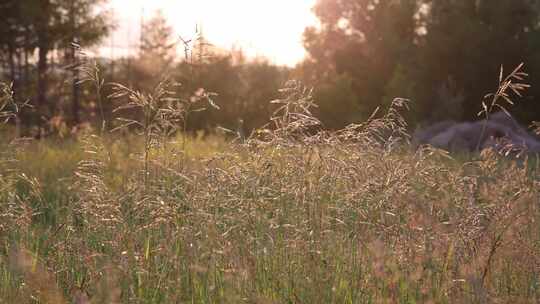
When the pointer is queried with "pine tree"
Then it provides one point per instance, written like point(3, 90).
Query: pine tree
point(49, 26)
point(157, 42)
point(157, 52)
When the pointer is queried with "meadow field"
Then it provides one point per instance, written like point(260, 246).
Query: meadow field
point(258, 151)
point(290, 214)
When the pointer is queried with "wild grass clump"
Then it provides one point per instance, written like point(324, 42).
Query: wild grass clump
point(291, 214)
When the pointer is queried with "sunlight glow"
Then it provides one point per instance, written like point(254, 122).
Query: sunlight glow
point(269, 28)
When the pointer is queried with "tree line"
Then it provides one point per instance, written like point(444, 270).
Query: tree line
point(443, 55)
point(35, 36)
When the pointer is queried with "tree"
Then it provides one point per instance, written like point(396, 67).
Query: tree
point(84, 27)
point(157, 39)
point(445, 55)
point(364, 40)
point(10, 39)
point(337, 115)
point(50, 26)
point(468, 41)
point(157, 52)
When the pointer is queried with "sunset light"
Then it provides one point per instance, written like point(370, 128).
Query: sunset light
point(269, 151)
point(268, 28)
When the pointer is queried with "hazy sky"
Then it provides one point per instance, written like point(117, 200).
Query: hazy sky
point(271, 28)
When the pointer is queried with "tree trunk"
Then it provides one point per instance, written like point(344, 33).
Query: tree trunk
point(26, 72)
point(43, 79)
point(43, 44)
point(76, 95)
point(75, 108)
point(12, 67)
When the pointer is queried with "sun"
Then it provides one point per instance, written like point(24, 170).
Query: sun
point(269, 28)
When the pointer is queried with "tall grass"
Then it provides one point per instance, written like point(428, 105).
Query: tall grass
point(293, 214)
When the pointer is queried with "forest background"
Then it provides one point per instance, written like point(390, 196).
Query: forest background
point(440, 54)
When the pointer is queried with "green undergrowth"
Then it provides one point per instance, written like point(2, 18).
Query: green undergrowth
point(266, 224)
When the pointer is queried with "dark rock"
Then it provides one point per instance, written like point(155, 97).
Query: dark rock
point(500, 132)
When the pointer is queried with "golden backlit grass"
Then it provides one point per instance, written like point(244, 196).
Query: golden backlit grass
point(290, 214)
point(268, 224)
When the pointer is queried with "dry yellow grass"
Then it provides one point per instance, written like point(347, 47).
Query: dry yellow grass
point(292, 214)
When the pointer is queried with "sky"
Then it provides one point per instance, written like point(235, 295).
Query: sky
point(269, 28)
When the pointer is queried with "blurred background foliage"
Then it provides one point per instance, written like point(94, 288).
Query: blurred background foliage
point(443, 55)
